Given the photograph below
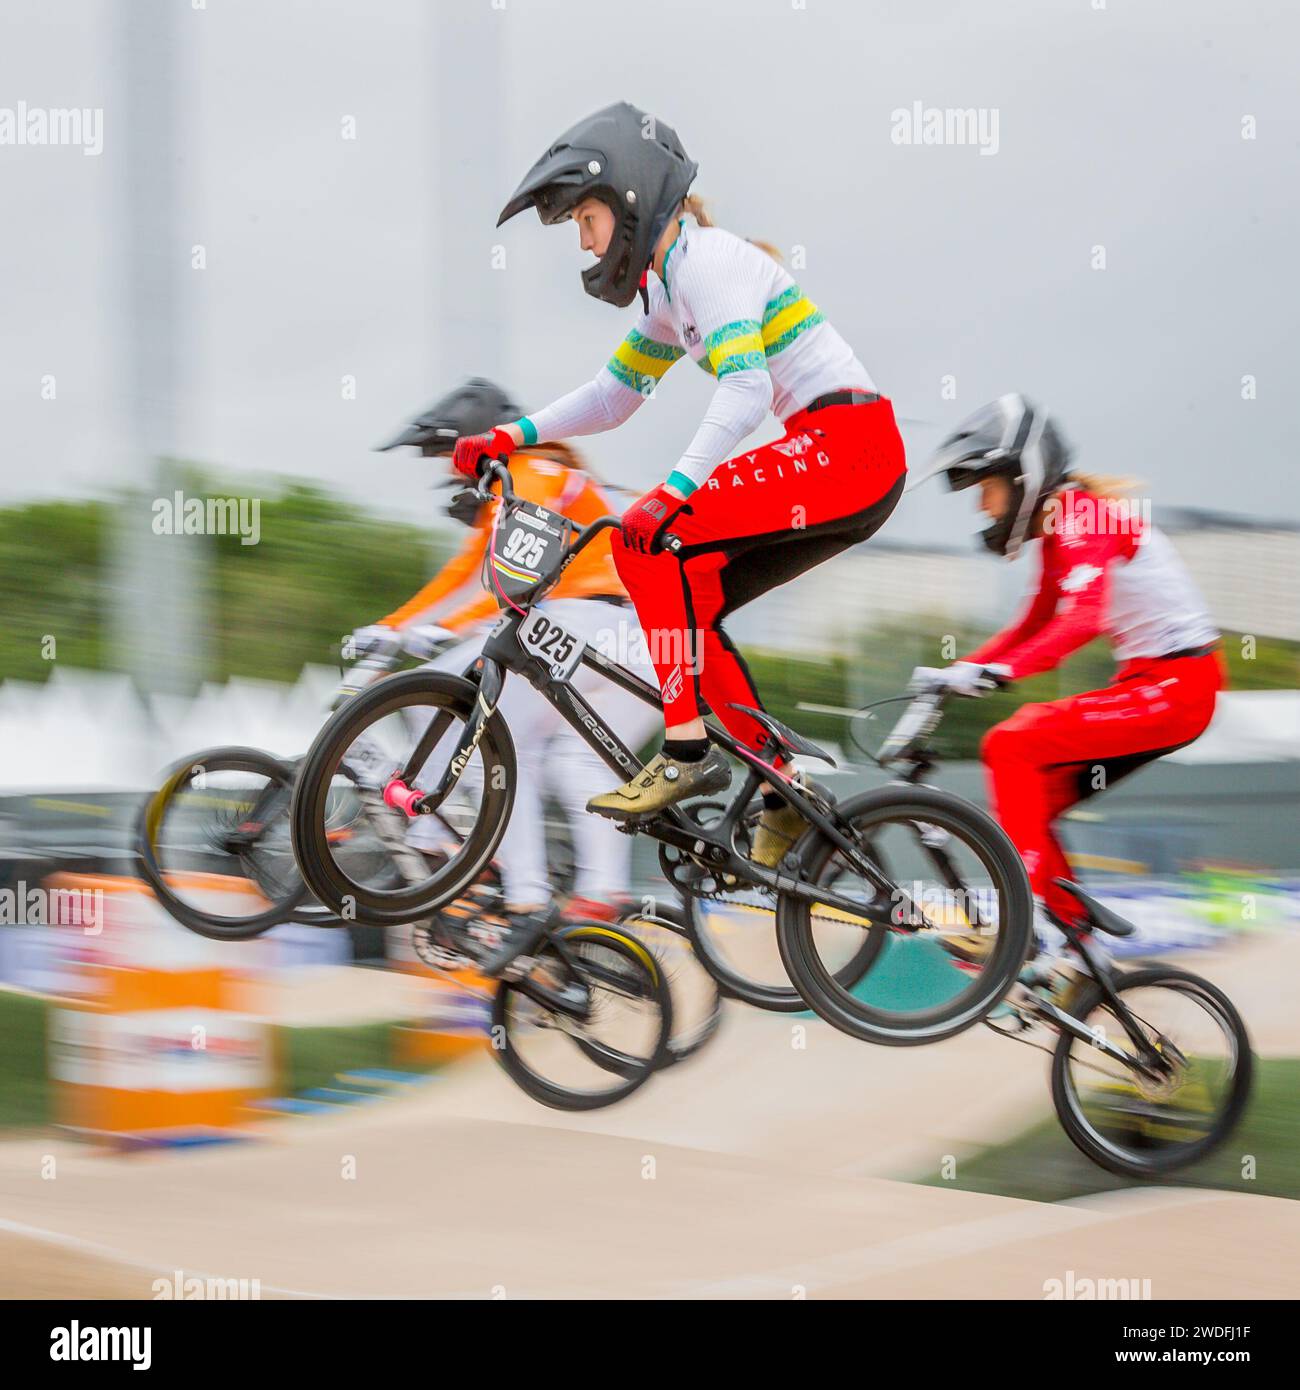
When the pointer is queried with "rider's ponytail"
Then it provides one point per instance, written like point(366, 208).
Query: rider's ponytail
point(697, 208)
point(1103, 485)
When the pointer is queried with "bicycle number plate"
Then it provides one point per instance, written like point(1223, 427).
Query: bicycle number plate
point(546, 639)
point(526, 553)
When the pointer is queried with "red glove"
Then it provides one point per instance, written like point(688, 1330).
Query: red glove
point(645, 521)
point(472, 449)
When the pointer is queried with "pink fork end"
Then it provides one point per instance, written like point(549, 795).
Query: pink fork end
point(403, 798)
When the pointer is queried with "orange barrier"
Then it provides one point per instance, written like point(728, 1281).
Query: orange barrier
point(455, 1023)
point(157, 1039)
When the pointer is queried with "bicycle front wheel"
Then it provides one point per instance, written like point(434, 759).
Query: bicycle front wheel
point(952, 918)
point(213, 844)
point(369, 863)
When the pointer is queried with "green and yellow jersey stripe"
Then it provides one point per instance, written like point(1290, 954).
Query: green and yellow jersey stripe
point(735, 347)
point(786, 317)
point(639, 361)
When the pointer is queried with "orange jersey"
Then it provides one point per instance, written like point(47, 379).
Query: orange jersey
point(554, 486)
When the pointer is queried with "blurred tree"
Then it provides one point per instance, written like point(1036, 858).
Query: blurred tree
point(323, 566)
point(54, 584)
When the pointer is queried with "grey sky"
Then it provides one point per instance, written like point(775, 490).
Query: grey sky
point(372, 257)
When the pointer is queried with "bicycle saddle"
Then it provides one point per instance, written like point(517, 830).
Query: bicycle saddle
point(790, 741)
point(1099, 915)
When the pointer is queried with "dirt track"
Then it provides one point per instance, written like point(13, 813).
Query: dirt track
point(753, 1171)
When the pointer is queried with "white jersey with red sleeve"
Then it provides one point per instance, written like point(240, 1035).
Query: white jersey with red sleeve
point(1104, 570)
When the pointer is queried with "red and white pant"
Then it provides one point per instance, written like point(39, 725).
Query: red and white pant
point(1048, 757)
point(758, 520)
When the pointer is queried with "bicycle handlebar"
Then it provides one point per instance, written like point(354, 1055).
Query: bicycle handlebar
point(497, 471)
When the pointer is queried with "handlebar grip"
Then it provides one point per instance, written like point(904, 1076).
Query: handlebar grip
point(670, 543)
point(498, 470)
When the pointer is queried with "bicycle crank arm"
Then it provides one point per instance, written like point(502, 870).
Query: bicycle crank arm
point(720, 861)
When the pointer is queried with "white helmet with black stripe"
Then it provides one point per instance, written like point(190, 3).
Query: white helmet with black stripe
point(1013, 439)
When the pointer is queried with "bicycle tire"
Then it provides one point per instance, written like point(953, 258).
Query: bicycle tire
point(1154, 1162)
point(332, 888)
point(683, 1043)
point(149, 819)
point(558, 1097)
point(924, 805)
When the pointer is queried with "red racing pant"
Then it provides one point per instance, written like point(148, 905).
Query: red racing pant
point(758, 520)
point(1048, 757)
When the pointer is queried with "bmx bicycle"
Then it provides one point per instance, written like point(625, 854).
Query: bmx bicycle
point(1151, 1067)
point(835, 892)
point(219, 822)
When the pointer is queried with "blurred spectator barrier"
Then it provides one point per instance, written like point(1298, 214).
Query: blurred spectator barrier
point(157, 1038)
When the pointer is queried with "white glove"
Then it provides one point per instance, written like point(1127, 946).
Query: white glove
point(969, 678)
point(367, 639)
point(426, 640)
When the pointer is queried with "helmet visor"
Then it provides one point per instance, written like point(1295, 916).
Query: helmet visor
point(554, 186)
point(964, 473)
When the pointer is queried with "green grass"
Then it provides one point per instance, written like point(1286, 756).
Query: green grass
point(1042, 1165)
point(311, 1057)
point(24, 1085)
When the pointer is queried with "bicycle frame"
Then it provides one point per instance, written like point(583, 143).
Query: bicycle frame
point(503, 654)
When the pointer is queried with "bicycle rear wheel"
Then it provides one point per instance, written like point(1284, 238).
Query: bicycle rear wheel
point(588, 1063)
point(1137, 1123)
point(954, 877)
point(213, 844)
point(697, 999)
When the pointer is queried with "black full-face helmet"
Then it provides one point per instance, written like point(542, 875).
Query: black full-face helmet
point(1011, 439)
point(475, 407)
point(630, 161)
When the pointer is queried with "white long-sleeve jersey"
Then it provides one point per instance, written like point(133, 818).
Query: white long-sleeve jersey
point(741, 317)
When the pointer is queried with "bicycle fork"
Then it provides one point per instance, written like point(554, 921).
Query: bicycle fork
point(398, 792)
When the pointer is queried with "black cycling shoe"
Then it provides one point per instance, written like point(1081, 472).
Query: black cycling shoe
point(520, 934)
